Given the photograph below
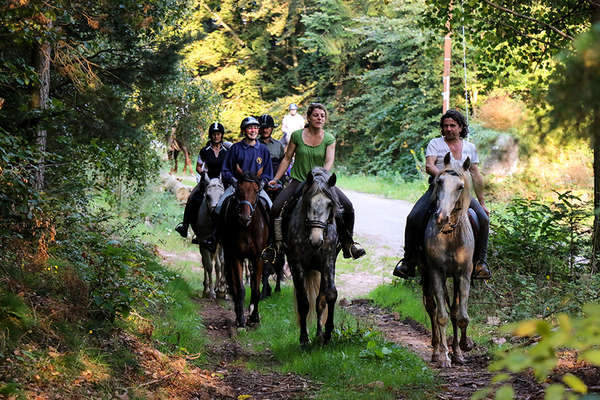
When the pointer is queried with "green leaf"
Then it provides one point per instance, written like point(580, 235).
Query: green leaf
point(506, 392)
point(575, 383)
point(593, 356)
point(554, 392)
point(500, 378)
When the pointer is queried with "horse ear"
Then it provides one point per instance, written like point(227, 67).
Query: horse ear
point(447, 159)
point(467, 164)
point(332, 180)
point(239, 170)
point(309, 179)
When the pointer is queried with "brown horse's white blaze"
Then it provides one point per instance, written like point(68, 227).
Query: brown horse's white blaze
point(449, 246)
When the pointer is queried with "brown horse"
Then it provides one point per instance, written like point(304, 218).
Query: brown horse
point(245, 232)
point(449, 245)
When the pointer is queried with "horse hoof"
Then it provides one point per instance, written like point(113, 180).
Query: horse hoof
point(254, 319)
point(445, 364)
point(467, 344)
point(459, 360)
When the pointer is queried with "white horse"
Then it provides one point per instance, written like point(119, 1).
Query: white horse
point(203, 227)
point(449, 246)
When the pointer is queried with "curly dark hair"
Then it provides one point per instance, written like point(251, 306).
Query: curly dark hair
point(460, 120)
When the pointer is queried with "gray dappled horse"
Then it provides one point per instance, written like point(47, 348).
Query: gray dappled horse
point(449, 245)
point(202, 227)
point(312, 241)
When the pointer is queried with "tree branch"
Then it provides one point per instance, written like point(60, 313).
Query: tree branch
point(516, 14)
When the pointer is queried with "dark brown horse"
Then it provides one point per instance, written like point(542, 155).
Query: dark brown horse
point(312, 248)
point(449, 246)
point(245, 232)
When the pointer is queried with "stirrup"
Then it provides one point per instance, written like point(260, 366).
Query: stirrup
point(353, 251)
point(269, 254)
point(483, 272)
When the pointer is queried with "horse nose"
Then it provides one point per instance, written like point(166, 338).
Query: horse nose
point(316, 237)
point(440, 218)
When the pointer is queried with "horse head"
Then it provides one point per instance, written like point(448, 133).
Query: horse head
point(247, 190)
point(451, 193)
point(320, 203)
point(214, 191)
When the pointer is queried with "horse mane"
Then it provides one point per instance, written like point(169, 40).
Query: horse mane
point(319, 185)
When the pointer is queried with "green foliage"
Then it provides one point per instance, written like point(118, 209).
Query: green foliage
point(541, 238)
point(579, 334)
point(574, 85)
point(403, 297)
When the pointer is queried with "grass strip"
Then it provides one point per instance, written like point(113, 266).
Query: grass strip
point(357, 364)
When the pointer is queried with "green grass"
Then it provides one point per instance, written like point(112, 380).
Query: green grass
point(347, 367)
point(393, 187)
point(403, 297)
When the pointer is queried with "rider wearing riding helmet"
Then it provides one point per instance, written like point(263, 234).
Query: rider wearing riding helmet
point(250, 156)
point(312, 147)
point(210, 161)
point(454, 131)
point(265, 137)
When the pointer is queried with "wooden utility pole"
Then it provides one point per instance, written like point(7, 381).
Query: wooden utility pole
point(447, 60)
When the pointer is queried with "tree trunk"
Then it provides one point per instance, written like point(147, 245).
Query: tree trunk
point(39, 101)
point(596, 145)
point(596, 232)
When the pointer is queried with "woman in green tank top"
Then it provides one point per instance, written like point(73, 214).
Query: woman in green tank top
point(313, 147)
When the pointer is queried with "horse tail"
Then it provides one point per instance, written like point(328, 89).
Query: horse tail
point(312, 284)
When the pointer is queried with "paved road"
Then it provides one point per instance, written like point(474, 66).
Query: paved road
point(381, 221)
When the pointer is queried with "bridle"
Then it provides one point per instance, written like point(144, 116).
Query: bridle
point(252, 205)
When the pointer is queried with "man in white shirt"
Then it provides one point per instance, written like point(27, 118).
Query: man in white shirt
point(291, 123)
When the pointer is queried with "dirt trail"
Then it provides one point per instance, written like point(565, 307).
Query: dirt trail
point(229, 356)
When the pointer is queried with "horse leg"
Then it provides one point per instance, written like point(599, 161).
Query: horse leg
point(320, 304)
point(209, 290)
point(266, 288)
point(457, 356)
point(303, 308)
point(429, 303)
point(234, 273)
point(279, 263)
point(255, 280)
point(441, 320)
point(464, 285)
point(221, 281)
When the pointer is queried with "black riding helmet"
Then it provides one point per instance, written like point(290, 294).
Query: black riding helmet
point(266, 121)
point(248, 121)
point(216, 127)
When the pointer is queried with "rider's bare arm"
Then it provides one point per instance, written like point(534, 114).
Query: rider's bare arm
point(430, 167)
point(478, 185)
point(329, 156)
point(285, 161)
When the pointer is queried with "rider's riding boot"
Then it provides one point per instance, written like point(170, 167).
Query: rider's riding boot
point(182, 229)
point(353, 249)
point(345, 225)
point(405, 268)
point(481, 270)
point(269, 253)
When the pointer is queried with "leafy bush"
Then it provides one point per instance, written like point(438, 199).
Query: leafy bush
point(581, 335)
point(540, 238)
